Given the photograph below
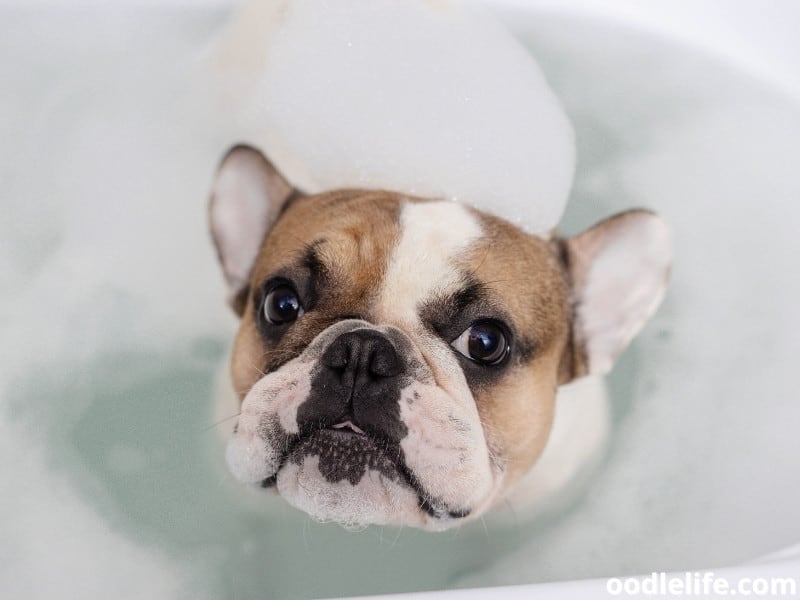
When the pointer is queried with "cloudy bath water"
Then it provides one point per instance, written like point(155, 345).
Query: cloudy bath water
point(114, 327)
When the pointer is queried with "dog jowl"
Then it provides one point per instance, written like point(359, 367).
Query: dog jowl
point(398, 358)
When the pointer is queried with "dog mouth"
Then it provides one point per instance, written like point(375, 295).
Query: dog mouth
point(346, 452)
point(348, 425)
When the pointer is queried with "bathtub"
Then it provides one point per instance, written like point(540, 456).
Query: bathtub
point(115, 324)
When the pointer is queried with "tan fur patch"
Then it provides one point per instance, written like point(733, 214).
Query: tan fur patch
point(353, 232)
point(524, 275)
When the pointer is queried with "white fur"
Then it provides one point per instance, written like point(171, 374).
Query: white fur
point(445, 446)
point(250, 457)
point(432, 235)
point(374, 500)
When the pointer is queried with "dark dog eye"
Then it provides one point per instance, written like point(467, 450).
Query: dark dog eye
point(484, 341)
point(282, 305)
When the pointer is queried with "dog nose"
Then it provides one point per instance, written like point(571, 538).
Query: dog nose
point(362, 382)
point(359, 380)
point(362, 358)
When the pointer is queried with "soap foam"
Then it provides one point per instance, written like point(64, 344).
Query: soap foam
point(422, 97)
point(56, 546)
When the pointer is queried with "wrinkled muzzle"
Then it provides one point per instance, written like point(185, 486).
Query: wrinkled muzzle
point(358, 430)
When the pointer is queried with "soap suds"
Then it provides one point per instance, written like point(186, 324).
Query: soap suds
point(431, 99)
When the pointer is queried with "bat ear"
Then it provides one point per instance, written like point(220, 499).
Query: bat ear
point(619, 271)
point(246, 198)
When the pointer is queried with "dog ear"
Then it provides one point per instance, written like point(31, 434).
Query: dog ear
point(246, 198)
point(619, 271)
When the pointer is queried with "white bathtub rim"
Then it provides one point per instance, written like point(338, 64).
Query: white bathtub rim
point(785, 564)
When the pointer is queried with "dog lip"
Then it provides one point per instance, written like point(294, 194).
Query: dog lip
point(343, 429)
point(348, 428)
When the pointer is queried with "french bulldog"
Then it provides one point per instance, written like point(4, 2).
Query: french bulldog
point(400, 360)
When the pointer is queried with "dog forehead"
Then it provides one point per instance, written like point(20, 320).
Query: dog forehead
point(432, 237)
point(352, 230)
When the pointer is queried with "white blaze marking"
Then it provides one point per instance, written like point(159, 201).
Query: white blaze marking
point(431, 235)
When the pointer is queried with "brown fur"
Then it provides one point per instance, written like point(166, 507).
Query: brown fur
point(525, 275)
point(357, 230)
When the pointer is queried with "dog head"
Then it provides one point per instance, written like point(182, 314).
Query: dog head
point(398, 358)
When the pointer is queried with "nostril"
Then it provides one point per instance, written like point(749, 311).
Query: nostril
point(385, 362)
point(337, 356)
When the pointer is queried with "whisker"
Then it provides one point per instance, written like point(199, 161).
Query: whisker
point(397, 537)
point(513, 511)
point(221, 421)
point(257, 369)
point(485, 528)
point(514, 280)
point(485, 256)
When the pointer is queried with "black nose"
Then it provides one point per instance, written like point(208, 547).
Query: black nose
point(359, 380)
point(362, 358)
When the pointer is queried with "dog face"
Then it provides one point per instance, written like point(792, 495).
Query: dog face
point(398, 358)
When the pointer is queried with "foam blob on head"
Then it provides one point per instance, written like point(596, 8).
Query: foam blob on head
point(425, 97)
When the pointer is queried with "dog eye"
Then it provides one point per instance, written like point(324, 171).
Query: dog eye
point(484, 342)
point(282, 305)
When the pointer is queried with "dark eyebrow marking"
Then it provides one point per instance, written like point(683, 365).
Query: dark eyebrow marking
point(448, 315)
point(443, 312)
point(470, 294)
point(313, 262)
